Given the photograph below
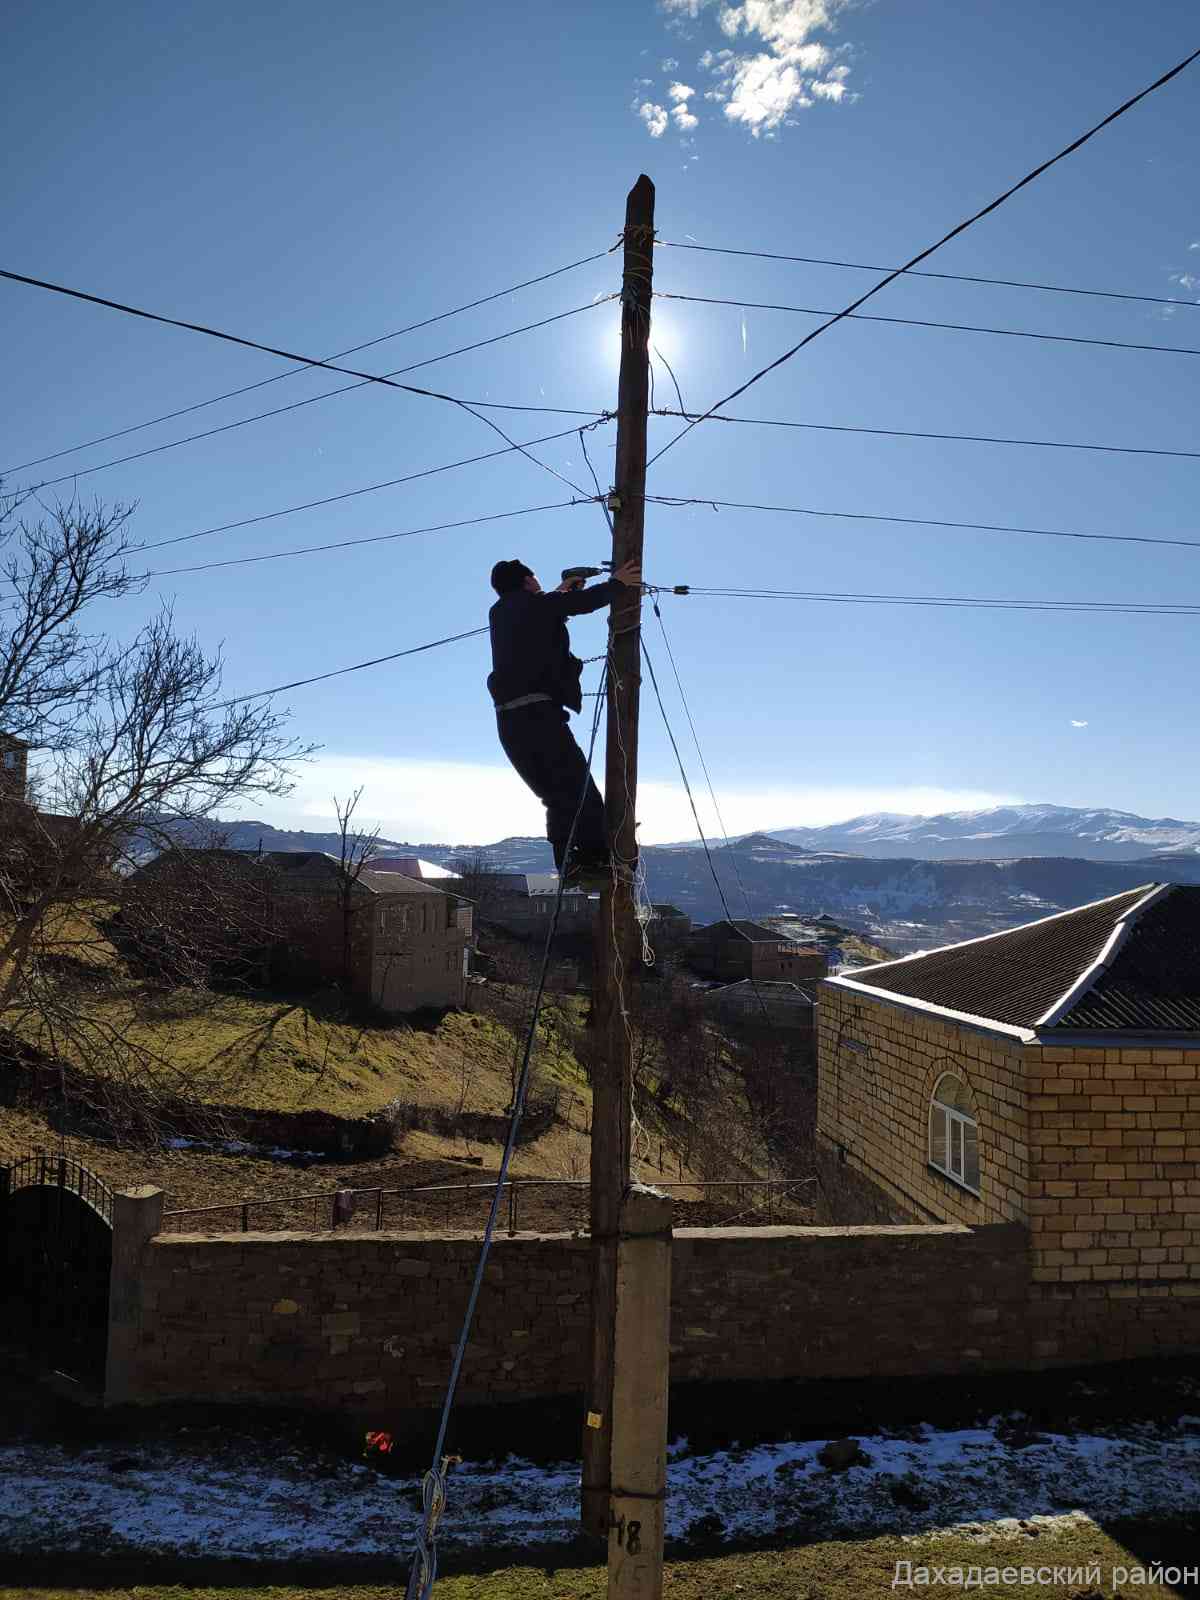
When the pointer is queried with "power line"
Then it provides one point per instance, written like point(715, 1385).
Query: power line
point(912, 433)
point(376, 538)
point(964, 602)
point(923, 255)
point(351, 494)
point(926, 322)
point(1093, 607)
point(686, 784)
point(952, 277)
point(712, 793)
point(250, 344)
point(423, 1574)
point(345, 388)
point(277, 377)
point(359, 666)
point(924, 522)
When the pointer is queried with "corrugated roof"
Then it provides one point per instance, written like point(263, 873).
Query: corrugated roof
point(1152, 983)
point(396, 883)
point(1014, 977)
point(770, 989)
point(754, 931)
point(412, 867)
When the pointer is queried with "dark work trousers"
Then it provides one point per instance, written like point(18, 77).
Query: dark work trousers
point(537, 739)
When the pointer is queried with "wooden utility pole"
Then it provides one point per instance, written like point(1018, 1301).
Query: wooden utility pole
point(612, 1086)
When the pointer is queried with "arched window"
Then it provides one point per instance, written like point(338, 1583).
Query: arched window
point(953, 1132)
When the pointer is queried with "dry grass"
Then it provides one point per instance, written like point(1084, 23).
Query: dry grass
point(836, 1570)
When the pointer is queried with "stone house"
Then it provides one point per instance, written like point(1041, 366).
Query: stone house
point(735, 950)
point(522, 903)
point(14, 766)
point(1048, 1077)
point(772, 1003)
point(402, 943)
point(666, 927)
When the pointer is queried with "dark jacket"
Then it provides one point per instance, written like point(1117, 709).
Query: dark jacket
point(531, 653)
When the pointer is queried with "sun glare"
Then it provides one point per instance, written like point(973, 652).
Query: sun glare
point(666, 345)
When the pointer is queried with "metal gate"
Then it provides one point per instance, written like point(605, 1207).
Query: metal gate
point(56, 1245)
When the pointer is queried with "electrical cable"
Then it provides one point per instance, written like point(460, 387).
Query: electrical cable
point(952, 277)
point(696, 817)
point(912, 433)
point(386, 379)
point(963, 602)
point(926, 322)
point(925, 522)
point(325, 394)
point(712, 794)
point(277, 377)
point(424, 1568)
point(376, 538)
point(340, 672)
point(923, 255)
point(350, 494)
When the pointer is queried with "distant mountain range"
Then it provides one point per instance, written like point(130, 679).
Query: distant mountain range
point(1002, 833)
point(891, 883)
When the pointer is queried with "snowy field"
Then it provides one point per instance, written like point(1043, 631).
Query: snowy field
point(228, 1499)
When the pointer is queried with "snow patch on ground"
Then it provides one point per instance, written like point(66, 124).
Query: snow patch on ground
point(228, 1501)
point(238, 1147)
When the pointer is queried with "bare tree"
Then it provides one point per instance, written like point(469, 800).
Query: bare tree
point(479, 881)
point(137, 748)
point(357, 846)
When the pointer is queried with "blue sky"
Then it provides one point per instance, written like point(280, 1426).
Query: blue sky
point(316, 177)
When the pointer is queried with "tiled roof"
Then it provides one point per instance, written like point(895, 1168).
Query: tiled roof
point(1019, 976)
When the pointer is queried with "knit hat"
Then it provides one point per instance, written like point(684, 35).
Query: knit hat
point(509, 575)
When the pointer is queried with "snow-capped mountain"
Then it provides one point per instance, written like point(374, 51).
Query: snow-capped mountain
point(1003, 832)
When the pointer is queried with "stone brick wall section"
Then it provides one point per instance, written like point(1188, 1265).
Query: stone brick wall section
point(1096, 1149)
point(368, 1323)
point(878, 1066)
point(1115, 1205)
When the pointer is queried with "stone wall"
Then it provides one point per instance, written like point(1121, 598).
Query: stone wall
point(1115, 1198)
point(879, 1063)
point(368, 1323)
point(1096, 1150)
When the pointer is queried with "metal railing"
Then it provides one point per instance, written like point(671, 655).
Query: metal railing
point(42, 1169)
point(344, 1208)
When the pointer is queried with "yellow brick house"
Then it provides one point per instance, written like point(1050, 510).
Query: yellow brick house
point(1047, 1076)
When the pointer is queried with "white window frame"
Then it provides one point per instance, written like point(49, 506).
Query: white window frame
point(954, 1126)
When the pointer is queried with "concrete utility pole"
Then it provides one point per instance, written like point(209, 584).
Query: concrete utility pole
point(624, 1438)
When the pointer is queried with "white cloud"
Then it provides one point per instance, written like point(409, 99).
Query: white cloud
point(780, 68)
point(669, 64)
point(1195, 245)
point(655, 118)
point(453, 802)
point(1186, 280)
point(684, 120)
point(681, 92)
point(834, 86)
point(1075, 724)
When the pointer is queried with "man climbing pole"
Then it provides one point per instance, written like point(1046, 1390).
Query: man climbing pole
point(535, 681)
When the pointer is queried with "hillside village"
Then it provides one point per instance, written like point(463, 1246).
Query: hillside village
point(252, 1083)
point(549, 1048)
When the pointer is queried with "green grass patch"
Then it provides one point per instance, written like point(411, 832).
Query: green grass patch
point(266, 1051)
